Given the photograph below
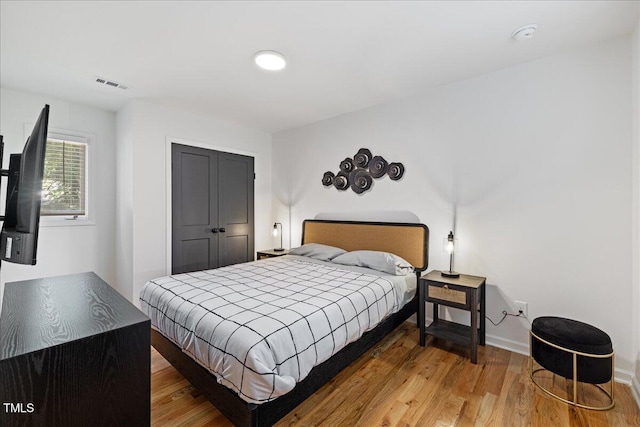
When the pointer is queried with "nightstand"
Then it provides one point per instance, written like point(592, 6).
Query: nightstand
point(464, 292)
point(270, 253)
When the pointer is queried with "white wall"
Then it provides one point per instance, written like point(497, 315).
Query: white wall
point(147, 129)
point(534, 162)
point(67, 249)
point(124, 231)
point(635, 73)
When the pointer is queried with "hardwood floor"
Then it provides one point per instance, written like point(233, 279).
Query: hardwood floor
point(399, 383)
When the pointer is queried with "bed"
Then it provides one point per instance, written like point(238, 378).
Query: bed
point(256, 394)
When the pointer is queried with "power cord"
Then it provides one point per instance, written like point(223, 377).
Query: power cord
point(504, 316)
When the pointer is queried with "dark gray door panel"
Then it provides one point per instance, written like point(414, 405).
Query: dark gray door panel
point(195, 255)
point(236, 208)
point(195, 189)
point(236, 249)
point(194, 212)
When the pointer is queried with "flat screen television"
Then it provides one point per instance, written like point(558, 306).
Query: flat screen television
point(19, 236)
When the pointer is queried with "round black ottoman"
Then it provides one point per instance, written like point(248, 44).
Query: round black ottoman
point(573, 350)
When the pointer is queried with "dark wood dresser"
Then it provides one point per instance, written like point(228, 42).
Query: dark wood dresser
point(73, 352)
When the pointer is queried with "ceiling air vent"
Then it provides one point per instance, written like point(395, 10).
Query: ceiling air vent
point(111, 83)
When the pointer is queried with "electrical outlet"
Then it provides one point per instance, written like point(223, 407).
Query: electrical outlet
point(521, 307)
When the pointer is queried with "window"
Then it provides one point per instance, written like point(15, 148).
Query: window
point(64, 184)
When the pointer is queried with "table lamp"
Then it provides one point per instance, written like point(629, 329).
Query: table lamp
point(449, 246)
point(275, 233)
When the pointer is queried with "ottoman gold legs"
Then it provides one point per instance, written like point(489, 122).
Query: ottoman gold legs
point(532, 373)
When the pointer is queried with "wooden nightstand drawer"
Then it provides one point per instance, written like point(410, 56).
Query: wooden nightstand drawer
point(446, 293)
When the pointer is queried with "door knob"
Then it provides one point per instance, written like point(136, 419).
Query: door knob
point(222, 230)
point(215, 230)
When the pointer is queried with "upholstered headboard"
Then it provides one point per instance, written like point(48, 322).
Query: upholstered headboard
point(409, 241)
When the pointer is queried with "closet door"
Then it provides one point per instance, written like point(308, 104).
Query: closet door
point(194, 209)
point(235, 208)
point(212, 209)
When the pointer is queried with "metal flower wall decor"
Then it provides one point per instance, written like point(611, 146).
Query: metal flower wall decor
point(360, 171)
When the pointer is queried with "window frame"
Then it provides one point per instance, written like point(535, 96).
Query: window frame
point(87, 218)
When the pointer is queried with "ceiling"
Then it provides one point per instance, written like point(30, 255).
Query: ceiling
point(343, 56)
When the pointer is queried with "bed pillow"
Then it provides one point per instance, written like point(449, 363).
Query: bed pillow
point(375, 260)
point(318, 251)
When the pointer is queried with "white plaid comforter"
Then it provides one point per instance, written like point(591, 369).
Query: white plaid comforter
point(260, 327)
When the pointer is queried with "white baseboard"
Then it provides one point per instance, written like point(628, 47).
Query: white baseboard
point(635, 389)
point(624, 377)
point(506, 344)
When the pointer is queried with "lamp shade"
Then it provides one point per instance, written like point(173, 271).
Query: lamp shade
point(275, 233)
point(449, 246)
point(449, 243)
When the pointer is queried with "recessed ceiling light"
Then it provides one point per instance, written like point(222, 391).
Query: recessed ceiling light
point(525, 32)
point(270, 60)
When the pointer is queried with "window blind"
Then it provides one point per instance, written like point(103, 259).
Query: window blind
point(64, 180)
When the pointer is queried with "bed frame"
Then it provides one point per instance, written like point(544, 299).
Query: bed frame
point(410, 241)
